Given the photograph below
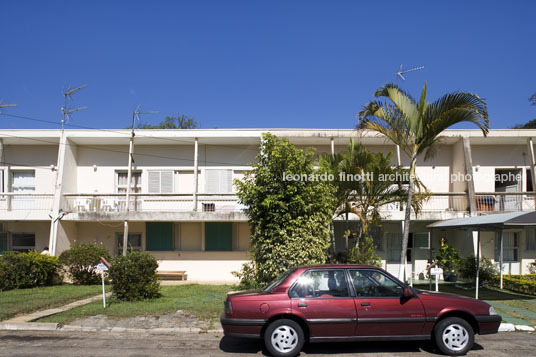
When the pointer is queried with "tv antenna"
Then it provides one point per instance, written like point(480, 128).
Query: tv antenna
point(400, 72)
point(66, 110)
point(5, 105)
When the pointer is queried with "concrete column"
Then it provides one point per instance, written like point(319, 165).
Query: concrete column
point(398, 158)
point(56, 205)
point(332, 147)
point(468, 163)
point(196, 174)
point(530, 147)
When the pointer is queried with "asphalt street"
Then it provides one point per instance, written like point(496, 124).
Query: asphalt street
point(63, 343)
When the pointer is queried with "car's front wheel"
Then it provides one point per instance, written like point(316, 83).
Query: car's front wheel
point(454, 336)
point(284, 338)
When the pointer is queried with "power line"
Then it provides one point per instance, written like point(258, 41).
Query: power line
point(121, 132)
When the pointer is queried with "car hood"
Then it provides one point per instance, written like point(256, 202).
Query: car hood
point(432, 294)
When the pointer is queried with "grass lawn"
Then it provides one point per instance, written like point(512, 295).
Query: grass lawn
point(514, 307)
point(20, 301)
point(203, 301)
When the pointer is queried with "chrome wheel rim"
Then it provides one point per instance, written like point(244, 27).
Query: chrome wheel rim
point(455, 337)
point(284, 339)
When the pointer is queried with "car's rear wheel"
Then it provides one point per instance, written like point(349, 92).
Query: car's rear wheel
point(454, 336)
point(284, 338)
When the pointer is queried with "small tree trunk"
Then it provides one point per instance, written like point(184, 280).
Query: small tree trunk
point(407, 219)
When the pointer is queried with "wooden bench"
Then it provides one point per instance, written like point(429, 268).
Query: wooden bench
point(172, 275)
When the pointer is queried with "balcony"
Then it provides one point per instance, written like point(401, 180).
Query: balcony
point(20, 206)
point(505, 201)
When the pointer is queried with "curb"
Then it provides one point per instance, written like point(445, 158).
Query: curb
point(157, 330)
point(29, 326)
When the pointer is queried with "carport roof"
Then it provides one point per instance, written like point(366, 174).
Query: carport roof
point(489, 222)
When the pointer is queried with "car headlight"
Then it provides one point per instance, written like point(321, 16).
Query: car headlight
point(492, 311)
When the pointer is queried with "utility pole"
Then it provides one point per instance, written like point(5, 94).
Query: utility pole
point(135, 115)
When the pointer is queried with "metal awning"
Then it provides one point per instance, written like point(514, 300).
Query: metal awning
point(491, 222)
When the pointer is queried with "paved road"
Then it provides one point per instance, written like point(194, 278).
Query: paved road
point(62, 343)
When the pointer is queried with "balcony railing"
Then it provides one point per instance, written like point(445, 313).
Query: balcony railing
point(10, 201)
point(505, 201)
point(142, 202)
point(436, 202)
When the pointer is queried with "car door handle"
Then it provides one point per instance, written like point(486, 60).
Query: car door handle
point(365, 304)
point(302, 304)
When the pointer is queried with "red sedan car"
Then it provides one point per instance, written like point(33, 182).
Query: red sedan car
point(353, 303)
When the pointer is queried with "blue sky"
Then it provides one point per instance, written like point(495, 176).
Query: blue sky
point(251, 64)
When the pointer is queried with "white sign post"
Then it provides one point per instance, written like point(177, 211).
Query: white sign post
point(102, 268)
point(436, 272)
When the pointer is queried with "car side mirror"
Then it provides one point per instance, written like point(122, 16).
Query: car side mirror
point(408, 293)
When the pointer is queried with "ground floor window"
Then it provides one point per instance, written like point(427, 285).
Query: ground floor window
point(394, 246)
point(133, 244)
point(531, 239)
point(510, 247)
point(3, 242)
point(22, 242)
point(219, 236)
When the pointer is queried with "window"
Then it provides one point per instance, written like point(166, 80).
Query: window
point(135, 182)
point(133, 244)
point(394, 245)
point(22, 242)
point(372, 283)
point(420, 240)
point(510, 247)
point(528, 186)
point(23, 182)
point(320, 284)
point(219, 181)
point(219, 236)
point(530, 239)
point(160, 181)
point(159, 235)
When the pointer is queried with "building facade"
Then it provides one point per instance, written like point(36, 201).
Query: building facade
point(65, 188)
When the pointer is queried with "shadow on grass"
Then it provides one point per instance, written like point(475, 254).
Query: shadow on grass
point(237, 345)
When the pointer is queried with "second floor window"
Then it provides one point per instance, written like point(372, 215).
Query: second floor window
point(135, 182)
point(219, 181)
point(160, 181)
point(23, 182)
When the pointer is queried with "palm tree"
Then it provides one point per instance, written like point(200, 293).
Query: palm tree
point(415, 127)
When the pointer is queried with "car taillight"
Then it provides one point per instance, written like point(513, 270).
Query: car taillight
point(228, 307)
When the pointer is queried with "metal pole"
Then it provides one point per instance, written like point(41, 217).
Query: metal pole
point(501, 255)
point(196, 144)
point(477, 263)
point(332, 147)
point(103, 290)
point(129, 178)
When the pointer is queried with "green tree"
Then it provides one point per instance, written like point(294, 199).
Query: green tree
point(289, 219)
point(531, 124)
point(179, 121)
point(381, 185)
point(415, 127)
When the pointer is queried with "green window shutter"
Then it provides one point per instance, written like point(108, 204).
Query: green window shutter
point(218, 236)
point(159, 235)
point(3, 242)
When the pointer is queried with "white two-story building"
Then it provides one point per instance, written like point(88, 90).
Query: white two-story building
point(65, 188)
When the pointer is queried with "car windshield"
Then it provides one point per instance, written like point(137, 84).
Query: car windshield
point(274, 283)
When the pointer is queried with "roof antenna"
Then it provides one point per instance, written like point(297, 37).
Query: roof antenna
point(66, 109)
point(400, 72)
point(5, 105)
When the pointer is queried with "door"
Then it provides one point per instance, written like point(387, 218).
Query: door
point(381, 308)
point(322, 298)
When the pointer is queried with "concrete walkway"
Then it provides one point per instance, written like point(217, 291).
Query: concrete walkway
point(24, 322)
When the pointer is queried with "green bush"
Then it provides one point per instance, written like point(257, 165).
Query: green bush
point(448, 259)
point(520, 283)
point(532, 267)
point(486, 273)
point(364, 252)
point(247, 275)
point(27, 270)
point(134, 277)
point(81, 261)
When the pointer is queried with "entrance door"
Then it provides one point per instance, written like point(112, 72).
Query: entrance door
point(382, 309)
point(322, 298)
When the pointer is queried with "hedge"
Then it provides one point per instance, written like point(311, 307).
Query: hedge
point(81, 261)
point(27, 270)
point(520, 283)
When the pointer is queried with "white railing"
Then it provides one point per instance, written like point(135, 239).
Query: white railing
point(505, 201)
point(10, 201)
point(436, 202)
point(142, 202)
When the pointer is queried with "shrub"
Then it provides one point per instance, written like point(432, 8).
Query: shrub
point(364, 252)
point(486, 272)
point(81, 261)
point(247, 275)
point(27, 270)
point(134, 277)
point(532, 267)
point(448, 259)
point(520, 283)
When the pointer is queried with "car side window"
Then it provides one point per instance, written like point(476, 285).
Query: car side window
point(372, 283)
point(320, 284)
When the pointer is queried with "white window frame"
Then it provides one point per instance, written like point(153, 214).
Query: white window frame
point(220, 181)
point(514, 248)
point(160, 187)
point(14, 172)
point(133, 187)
